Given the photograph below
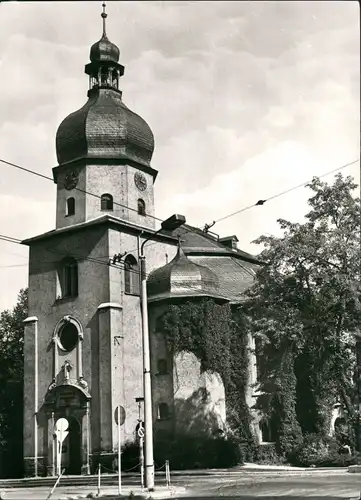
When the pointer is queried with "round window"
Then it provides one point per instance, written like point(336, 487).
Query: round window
point(68, 337)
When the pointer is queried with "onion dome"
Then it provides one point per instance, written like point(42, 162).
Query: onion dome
point(104, 50)
point(104, 128)
point(182, 278)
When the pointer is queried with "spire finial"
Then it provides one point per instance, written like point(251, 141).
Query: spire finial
point(104, 16)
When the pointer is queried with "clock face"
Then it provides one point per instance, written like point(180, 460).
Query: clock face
point(140, 181)
point(71, 180)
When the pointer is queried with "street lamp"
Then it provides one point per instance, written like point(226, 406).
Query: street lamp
point(169, 224)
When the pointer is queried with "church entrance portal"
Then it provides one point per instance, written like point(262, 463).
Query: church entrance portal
point(72, 403)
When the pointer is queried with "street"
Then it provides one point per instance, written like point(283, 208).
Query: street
point(325, 485)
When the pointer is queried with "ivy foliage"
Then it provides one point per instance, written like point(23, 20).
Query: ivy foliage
point(203, 328)
point(214, 334)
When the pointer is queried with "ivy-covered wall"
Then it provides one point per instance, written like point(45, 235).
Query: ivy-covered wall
point(210, 331)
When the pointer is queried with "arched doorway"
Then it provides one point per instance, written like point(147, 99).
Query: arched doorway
point(74, 447)
point(71, 448)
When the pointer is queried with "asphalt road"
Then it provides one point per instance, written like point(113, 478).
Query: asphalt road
point(316, 485)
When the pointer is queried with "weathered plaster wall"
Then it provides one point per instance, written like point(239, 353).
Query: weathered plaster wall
point(43, 303)
point(118, 180)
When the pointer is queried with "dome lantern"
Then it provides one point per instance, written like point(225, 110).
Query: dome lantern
point(104, 69)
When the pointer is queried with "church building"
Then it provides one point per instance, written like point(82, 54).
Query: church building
point(83, 336)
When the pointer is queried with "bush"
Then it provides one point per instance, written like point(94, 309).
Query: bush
point(267, 454)
point(130, 456)
point(321, 451)
point(202, 452)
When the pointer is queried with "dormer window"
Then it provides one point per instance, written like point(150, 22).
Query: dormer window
point(141, 207)
point(70, 206)
point(106, 202)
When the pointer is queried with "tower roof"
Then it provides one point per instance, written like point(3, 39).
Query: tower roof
point(104, 128)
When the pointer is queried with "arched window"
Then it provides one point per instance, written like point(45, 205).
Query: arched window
point(141, 207)
point(70, 206)
point(162, 366)
point(68, 278)
point(131, 275)
point(163, 411)
point(106, 202)
point(268, 429)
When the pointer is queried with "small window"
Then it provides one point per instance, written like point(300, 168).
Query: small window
point(68, 278)
point(68, 337)
point(162, 366)
point(163, 411)
point(106, 202)
point(131, 275)
point(141, 207)
point(70, 206)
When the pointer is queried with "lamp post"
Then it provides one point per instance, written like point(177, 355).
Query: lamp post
point(169, 224)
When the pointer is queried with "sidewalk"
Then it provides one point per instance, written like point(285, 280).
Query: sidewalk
point(111, 493)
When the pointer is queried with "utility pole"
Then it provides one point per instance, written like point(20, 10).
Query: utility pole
point(169, 224)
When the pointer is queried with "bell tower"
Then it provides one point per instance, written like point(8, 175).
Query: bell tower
point(104, 150)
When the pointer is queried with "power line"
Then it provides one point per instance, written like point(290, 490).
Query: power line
point(76, 188)
point(262, 202)
point(83, 191)
point(120, 267)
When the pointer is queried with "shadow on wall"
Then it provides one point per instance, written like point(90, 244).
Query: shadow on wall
point(194, 438)
point(192, 416)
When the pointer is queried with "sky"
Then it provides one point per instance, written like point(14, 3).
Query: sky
point(245, 99)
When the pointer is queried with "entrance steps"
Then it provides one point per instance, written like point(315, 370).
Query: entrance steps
point(36, 482)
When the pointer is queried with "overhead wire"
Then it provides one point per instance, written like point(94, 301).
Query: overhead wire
point(262, 202)
point(121, 265)
point(11, 164)
point(76, 188)
point(207, 226)
point(108, 263)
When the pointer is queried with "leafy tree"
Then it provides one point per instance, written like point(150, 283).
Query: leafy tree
point(306, 300)
point(11, 386)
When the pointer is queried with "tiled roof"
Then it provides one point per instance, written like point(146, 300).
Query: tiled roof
point(194, 240)
point(182, 277)
point(104, 128)
point(234, 276)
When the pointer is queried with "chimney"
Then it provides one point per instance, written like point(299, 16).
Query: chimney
point(229, 241)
